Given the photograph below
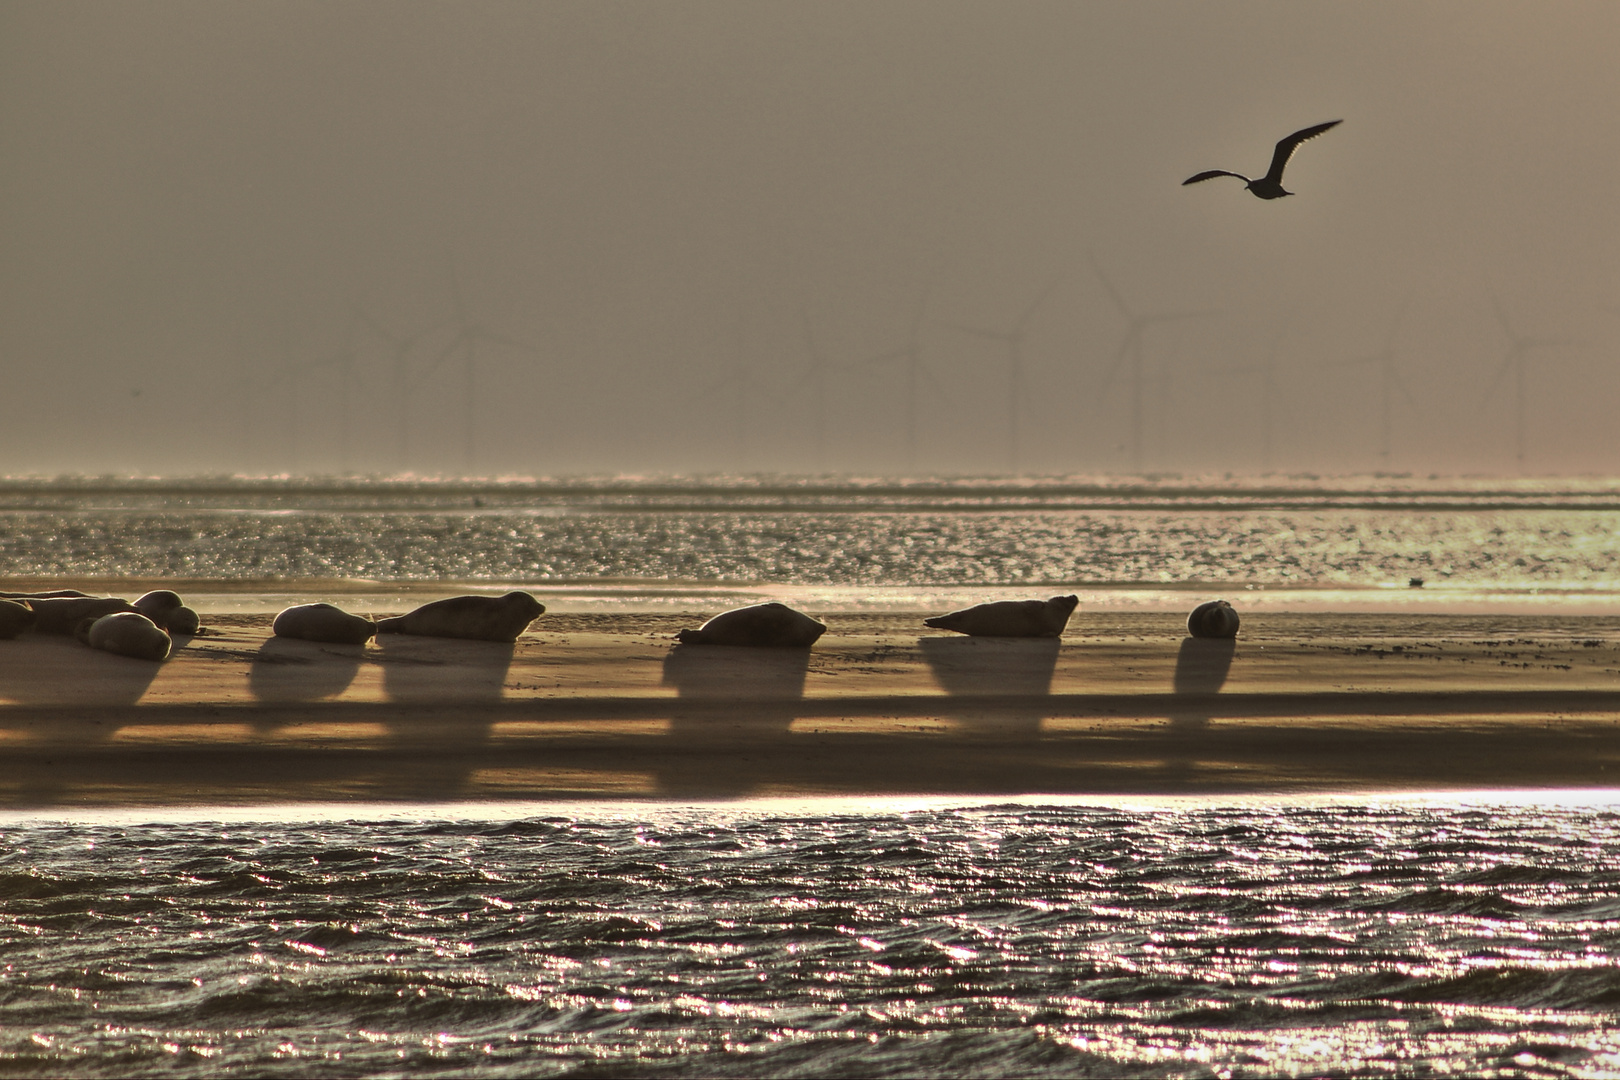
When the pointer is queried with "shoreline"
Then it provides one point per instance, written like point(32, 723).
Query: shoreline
point(632, 596)
point(603, 706)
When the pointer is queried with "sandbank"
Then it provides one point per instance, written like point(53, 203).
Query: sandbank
point(605, 705)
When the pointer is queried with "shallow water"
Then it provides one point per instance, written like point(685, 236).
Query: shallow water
point(1555, 536)
point(1047, 940)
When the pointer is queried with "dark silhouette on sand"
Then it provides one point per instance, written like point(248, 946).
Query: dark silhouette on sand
point(1269, 186)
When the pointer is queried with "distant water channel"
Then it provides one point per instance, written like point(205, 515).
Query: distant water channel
point(1476, 536)
point(1361, 940)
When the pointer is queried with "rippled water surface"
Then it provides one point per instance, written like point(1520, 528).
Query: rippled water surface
point(1558, 535)
point(1364, 940)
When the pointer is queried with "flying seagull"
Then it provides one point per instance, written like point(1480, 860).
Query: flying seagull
point(1270, 186)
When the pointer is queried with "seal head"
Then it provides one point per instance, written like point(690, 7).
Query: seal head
point(1215, 619)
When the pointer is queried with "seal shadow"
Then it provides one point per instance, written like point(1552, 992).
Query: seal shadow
point(287, 669)
point(417, 670)
point(48, 669)
point(713, 680)
point(983, 667)
point(424, 669)
point(1202, 666)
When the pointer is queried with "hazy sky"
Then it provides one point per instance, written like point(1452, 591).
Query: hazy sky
point(676, 207)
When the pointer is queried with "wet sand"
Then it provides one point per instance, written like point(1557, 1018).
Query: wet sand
point(607, 706)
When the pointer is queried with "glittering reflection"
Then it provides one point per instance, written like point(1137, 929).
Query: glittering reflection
point(992, 544)
point(1344, 939)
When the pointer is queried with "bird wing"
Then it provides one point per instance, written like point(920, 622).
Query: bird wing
point(1212, 174)
point(1286, 148)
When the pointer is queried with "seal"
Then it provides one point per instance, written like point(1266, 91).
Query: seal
point(59, 615)
point(1216, 619)
point(15, 617)
point(54, 594)
point(129, 633)
point(770, 625)
point(323, 622)
point(183, 620)
point(475, 618)
point(158, 604)
point(1010, 618)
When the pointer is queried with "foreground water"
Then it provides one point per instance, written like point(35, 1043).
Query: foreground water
point(1368, 939)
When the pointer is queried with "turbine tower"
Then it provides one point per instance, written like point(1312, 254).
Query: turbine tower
point(1267, 370)
point(916, 372)
point(1519, 347)
point(1132, 354)
point(1389, 381)
point(738, 379)
point(466, 343)
point(1014, 341)
point(400, 349)
point(341, 363)
point(815, 376)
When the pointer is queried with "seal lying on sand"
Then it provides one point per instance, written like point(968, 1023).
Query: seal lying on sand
point(1010, 618)
point(54, 594)
point(158, 604)
point(477, 618)
point(1214, 619)
point(60, 615)
point(14, 618)
point(323, 622)
point(182, 620)
point(772, 625)
point(129, 633)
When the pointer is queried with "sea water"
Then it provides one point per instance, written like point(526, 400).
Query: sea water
point(1468, 936)
point(1550, 540)
point(1476, 938)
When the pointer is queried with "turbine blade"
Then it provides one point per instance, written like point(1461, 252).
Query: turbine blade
point(1153, 318)
point(1501, 317)
point(1113, 370)
point(980, 331)
point(881, 358)
point(497, 339)
point(1354, 361)
point(1029, 312)
point(456, 296)
point(377, 328)
point(1395, 326)
point(1108, 286)
point(817, 359)
point(933, 384)
point(921, 313)
point(1401, 386)
point(1496, 380)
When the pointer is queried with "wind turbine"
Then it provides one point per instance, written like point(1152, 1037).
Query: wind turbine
point(400, 349)
point(341, 362)
point(466, 341)
point(1519, 347)
point(1014, 341)
point(1267, 370)
point(1132, 351)
point(815, 376)
point(916, 371)
point(738, 378)
point(1389, 381)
